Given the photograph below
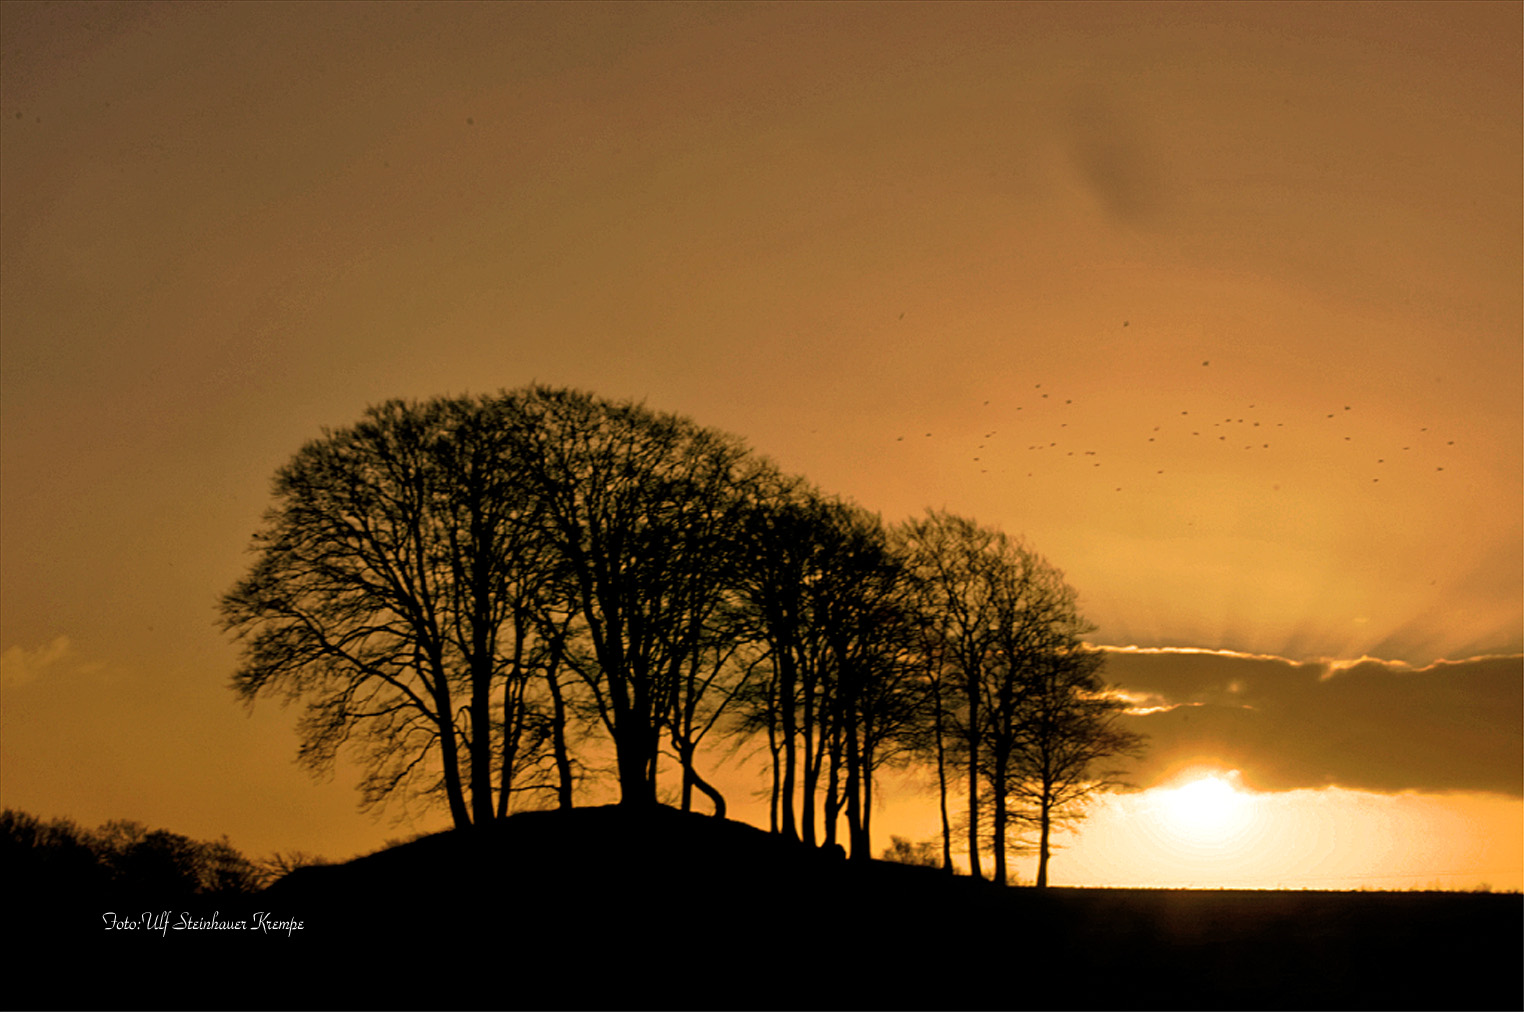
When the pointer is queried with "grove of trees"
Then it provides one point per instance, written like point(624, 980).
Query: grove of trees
point(479, 597)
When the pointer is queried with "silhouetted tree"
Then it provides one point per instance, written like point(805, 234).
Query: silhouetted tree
point(560, 641)
point(153, 863)
point(821, 593)
point(933, 731)
point(997, 622)
point(758, 711)
point(643, 509)
point(785, 533)
point(1036, 624)
point(283, 862)
point(391, 590)
point(226, 871)
point(957, 567)
point(1069, 732)
point(873, 696)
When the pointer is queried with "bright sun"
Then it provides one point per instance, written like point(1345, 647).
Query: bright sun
point(1206, 813)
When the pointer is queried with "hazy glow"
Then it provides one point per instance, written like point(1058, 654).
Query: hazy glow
point(1309, 839)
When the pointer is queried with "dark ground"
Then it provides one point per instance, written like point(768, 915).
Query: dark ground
point(603, 908)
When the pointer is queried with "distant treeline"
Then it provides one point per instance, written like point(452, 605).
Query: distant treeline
point(57, 862)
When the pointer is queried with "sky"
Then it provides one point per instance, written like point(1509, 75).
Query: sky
point(1217, 306)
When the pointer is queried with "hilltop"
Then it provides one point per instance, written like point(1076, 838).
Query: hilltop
point(617, 908)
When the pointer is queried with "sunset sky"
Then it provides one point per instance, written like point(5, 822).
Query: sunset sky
point(1218, 306)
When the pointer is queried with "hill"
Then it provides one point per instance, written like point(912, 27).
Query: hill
point(613, 908)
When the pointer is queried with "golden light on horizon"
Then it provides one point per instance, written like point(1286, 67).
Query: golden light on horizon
point(1210, 832)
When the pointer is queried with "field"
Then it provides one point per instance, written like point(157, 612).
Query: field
point(605, 908)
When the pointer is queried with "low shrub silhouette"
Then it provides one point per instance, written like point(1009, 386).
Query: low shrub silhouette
point(903, 851)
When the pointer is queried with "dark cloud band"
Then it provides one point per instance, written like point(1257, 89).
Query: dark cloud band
point(1367, 724)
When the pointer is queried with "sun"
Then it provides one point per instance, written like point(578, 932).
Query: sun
point(1204, 808)
point(1205, 812)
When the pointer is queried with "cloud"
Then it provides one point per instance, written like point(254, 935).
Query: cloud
point(1365, 724)
point(20, 666)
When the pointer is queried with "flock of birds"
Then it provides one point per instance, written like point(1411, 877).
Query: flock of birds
point(1043, 419)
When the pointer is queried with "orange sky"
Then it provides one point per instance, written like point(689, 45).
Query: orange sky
point(1256, 267)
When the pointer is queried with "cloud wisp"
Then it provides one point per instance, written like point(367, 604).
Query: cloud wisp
point(22, 666)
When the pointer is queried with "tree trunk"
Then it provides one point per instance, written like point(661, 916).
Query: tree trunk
point(513, 714)
point(833, 790)
point(558, 732)
point(637, 785)
point(454, 793)
point(947, 861)
point(785, 705)
point(853, 790)
point(482, 662)
point(449, 748)
point(653, 761)
point(867, 841)
point(634, 739)
point(973, 779)
point(691, 779)
point(1042, 847)
point(482, 812)
point(709, 791)
point(812, 760)
point(513, 729)
point(773, 751)
point(1000, 823)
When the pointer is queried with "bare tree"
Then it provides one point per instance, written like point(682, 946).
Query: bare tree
point(390, 592)
point(956, 565)
point(933, 729)
point(997, 626)
point(785, 530)
point(644, 511)
point(824, 598)
point(1069, 733)
point(1036, 622)
point(874, 697)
